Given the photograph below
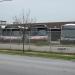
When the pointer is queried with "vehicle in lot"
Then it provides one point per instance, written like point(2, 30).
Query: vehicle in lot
point(68, 33)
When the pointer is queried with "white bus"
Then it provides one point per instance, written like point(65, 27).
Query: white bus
point(68, 33)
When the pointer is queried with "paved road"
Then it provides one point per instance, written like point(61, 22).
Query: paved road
point(23, 65)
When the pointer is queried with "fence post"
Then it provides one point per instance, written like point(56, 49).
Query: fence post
point(23, 38)
point(10, 36)
point(50, 39)
point(29, 39)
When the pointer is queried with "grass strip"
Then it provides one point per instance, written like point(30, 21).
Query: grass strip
point(53, 55)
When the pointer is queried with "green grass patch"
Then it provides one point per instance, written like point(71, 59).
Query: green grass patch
point(40, 54)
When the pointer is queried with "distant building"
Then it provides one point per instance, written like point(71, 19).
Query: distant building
point(2, 22)
point(56, 24)
point(37, 30)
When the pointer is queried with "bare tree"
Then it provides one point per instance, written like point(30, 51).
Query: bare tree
point(25, 20)
point(25, 23)
point(17, 20)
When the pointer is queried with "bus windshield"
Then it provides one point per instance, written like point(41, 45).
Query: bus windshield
point(68, 32)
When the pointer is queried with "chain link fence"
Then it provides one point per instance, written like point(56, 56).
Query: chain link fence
point(37, 40)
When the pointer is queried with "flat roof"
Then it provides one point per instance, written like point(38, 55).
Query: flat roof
point(69, 25)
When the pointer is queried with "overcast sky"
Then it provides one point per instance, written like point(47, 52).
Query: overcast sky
point(42, 10)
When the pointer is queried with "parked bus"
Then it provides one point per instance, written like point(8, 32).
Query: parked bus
point(10, 33)
point(68, 33)
point(39, 32)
